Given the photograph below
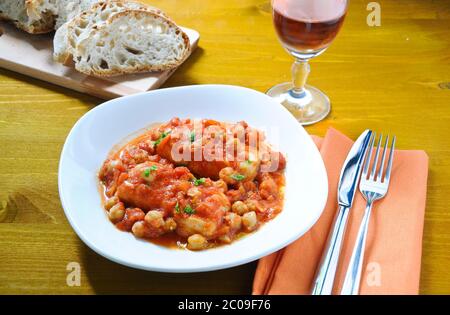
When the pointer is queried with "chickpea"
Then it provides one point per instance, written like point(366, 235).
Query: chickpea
point(111, 189)
point(111, 202)
point(226, 173)
point(239, 207)
point(154, 218)
point(196, 225)
point(197, 242)
point(250, 221)
point(234, 221)
point(170, 225)
point(194, 192)
point(117, 212)
point(253, 205)
point(138, 229)
point(225, 239)
point(221, 185)
point(249, 168)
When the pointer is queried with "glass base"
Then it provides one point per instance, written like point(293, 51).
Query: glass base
point(308, 107)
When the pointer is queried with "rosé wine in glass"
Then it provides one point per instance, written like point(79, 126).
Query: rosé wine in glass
point(305, 28)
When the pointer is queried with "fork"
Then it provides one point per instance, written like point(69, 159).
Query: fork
point(373, 186)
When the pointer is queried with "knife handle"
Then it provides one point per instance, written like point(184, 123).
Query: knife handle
point(323, 283)
point(352, 278)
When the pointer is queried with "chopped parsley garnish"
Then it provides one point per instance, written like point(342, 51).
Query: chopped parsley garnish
point(198, 182)
point(177, 208)
point(162, 136)
point(248, 162)
point(153, 168)
point(192, 137)
point(237, 177)
point(147, 171)
point(188, 209)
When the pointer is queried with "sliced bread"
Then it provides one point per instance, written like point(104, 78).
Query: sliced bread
point(32, 16)
point(41, 16)
point(68, 9)
point(80, 26)
point(132, 41)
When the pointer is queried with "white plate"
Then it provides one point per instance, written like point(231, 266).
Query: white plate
point(99, 130)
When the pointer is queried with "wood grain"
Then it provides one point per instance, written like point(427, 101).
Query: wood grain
point(393, 78)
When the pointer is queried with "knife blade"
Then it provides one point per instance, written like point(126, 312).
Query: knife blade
point(348, 183)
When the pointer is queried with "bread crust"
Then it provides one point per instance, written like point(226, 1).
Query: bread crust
point(66, 58)
point(30, 29)
point(141, 68)
point(45, 20)
point(41, 18)
point(44, 24)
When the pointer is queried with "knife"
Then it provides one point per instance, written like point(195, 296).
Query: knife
point(348, 183)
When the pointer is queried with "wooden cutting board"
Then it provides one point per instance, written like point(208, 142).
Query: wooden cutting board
point(32, 55)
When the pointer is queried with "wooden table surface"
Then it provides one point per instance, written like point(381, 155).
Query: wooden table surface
point(394, 78)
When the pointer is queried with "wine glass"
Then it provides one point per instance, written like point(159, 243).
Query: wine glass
point(305, 28)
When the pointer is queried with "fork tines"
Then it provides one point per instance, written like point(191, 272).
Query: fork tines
point(376, 164)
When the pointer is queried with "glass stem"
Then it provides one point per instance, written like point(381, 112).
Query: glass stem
point(300, 71)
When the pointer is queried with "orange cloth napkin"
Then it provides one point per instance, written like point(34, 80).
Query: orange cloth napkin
point(394, 244)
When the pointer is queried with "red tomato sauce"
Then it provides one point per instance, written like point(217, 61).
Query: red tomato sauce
point(193, 184)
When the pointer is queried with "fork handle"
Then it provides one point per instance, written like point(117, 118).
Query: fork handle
point(353, 275)
point(323, 283)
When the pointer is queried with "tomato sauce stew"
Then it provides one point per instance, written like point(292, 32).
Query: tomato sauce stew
point(193, 184)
